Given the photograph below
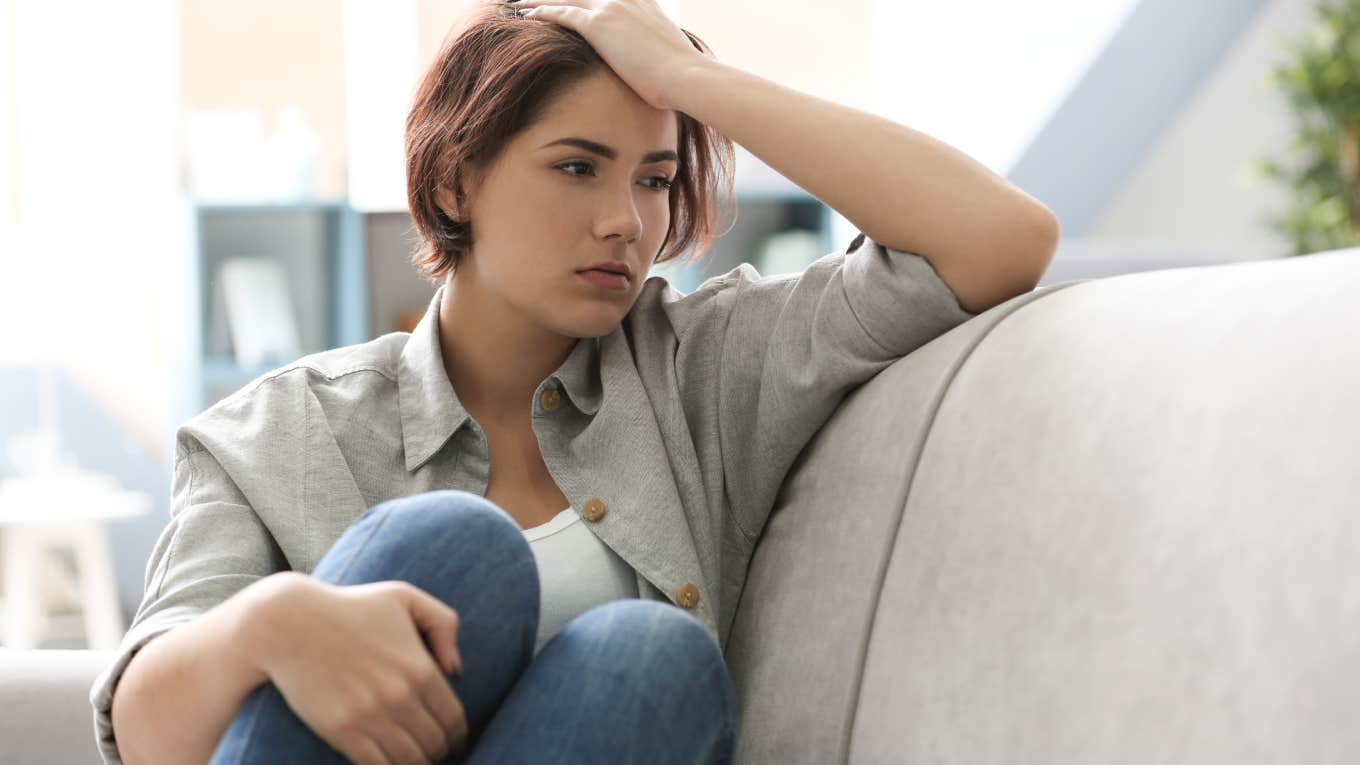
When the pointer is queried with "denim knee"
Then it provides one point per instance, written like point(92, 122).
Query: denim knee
point(654, 637)
point(399, 531)
point(422, 517)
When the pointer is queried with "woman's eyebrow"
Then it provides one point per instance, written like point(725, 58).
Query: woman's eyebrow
point(609, 153)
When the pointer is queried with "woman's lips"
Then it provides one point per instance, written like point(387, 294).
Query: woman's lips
point(606, 279)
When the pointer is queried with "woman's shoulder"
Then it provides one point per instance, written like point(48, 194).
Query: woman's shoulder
point(280, 398)
point(379, 356)
point(687, 313)
point(702, 315)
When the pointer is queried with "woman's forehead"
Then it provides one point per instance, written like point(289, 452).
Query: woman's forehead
point(604, 109)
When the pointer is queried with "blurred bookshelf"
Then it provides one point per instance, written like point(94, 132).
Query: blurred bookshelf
point(320, 247)
point(349, 277)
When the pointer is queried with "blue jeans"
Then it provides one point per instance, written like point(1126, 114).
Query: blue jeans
point(627, 681)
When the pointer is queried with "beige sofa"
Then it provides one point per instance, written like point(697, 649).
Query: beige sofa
point(1109, 521)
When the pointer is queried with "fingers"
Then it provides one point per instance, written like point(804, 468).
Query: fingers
point(431, 717)
point(419, 726)
point(367, 752)
point(430, 724)
point(439, 623)
point(447, 709)
point(400, 747)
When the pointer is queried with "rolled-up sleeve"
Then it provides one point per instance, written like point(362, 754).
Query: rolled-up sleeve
point(790, 347)
point(214, 546)
point(897, 297)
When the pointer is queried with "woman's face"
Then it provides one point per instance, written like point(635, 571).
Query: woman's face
point(546, 209)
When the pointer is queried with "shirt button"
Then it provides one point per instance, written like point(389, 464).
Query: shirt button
point(687, 595)
point(594, 510)
point(550, 399)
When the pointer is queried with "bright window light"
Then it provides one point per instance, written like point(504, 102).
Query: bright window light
point(985, 75)
point(9, 140)
point(380, 80)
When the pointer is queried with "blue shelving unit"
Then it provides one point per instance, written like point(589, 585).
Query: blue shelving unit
point(773, 211)
point(326, 247)
point(322, 248)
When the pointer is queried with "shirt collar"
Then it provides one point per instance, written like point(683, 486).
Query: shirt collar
point(430, 410)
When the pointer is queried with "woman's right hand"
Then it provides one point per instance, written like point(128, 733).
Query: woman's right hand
point(350, 662)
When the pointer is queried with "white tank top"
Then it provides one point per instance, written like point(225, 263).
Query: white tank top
point(576, 572)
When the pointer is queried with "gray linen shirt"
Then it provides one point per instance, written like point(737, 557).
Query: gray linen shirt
point(682, 422)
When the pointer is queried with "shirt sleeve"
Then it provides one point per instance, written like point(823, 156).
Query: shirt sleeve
point(793, 345)
point(213, 546)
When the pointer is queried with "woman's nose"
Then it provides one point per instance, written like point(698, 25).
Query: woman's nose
point(623, 219)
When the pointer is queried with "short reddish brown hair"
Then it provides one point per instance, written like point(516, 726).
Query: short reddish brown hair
point(494, 77)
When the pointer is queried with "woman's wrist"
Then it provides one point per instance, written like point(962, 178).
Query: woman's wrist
point(254, 620)
point(686, 78)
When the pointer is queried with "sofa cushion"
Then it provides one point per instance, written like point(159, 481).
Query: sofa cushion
point(45, 697)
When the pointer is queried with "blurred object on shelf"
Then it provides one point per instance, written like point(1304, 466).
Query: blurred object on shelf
point(62, 507)
point(252, 297)
point(406, 321)
point(291, 154)
point(788, 252)
point(231, 161)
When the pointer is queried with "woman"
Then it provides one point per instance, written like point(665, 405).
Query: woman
point(519, 533)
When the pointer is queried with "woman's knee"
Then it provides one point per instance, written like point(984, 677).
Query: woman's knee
point(654, 638)
point(663, 623)
point(425, 521)
point(393, 537)
point(421, 517)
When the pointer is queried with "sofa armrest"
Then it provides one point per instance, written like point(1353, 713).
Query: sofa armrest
point(1115, 525)
point(45, 695)
point(812, 588)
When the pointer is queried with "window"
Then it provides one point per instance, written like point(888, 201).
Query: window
point(985, 75)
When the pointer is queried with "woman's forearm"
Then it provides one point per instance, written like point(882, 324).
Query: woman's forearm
point(179, 693)
point(901, 187)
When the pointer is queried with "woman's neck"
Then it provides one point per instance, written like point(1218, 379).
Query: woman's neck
point(495, 358)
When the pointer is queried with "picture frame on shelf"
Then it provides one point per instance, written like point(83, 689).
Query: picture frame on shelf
point(252, 301)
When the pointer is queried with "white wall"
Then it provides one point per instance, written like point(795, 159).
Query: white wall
point(984, 76)
point(92, 118)
point(1191, 193)
point(8, 148)
point(97, 221)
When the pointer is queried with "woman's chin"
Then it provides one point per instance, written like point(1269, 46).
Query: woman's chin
point(597, 326)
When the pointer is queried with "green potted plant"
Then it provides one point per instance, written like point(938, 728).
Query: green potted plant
point(1322, 82)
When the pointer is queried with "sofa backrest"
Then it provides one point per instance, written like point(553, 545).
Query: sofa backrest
point(1110, 520)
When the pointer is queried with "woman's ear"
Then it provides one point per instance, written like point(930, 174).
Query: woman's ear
point(446, 202)
point(456, 207)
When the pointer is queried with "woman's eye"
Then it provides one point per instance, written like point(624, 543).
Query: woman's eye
point(576, 164)
point(663, 184)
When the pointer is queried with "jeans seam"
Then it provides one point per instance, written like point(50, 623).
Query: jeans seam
point(359, 548)
point(730, 723)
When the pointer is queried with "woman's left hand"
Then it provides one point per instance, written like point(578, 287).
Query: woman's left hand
point(634, 37)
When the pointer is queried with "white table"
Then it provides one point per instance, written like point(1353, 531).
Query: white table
point(62, 508)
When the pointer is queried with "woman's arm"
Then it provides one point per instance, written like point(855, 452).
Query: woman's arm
point(988, 239)
point(180, 692)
